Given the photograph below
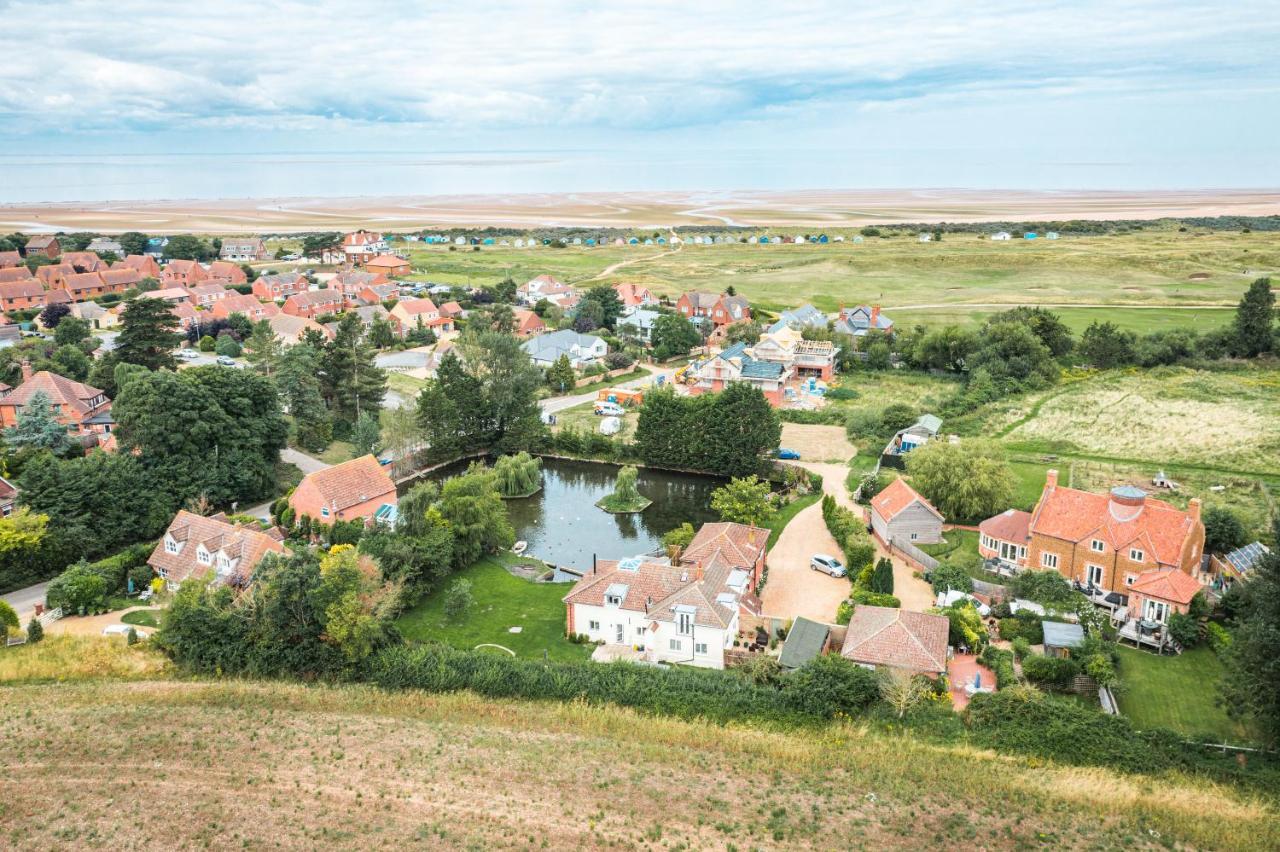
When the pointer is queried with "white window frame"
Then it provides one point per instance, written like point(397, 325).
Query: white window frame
point(1090, 570)
point(593, 625)
point(1097, 546)
point(204, 557)
point(1155, 611)
point(170, 546)
point(1136, 555)
point(700, 648)
point(676, 645)
point(613, 600)
point(1048, 560)
point(684, 623)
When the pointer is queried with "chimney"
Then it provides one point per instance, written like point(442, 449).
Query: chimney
point(875, 315)
point(697, 567)
point(1051, 479)
point(1193, 508)
point(26, 370)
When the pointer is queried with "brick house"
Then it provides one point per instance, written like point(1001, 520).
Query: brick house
point(313, 303)
point(16, 273)
point(207, 294)
point(145, 264)
point(389, 265)
point(172, 295)
point(280, 286)
point(20, 295)
point(1103, 541)
point(360, 246)
point(195, 547)
point(719, 310)
point(225, 270)
point(242, 249)
point(83, 261)
point(54, 275)
point(79, 407)
point(45, 246)
point(187, 315)
point(899, 513)
point(237, 303)
point(10, 259)
point(351, 282)
point(1157, 594)
point(356, 489)
point(528, 324)
point(86, 285)
point(118, 280)
point(634, 295)
point(888, 637)
point(408, 313)
point(291, 329)
point(183, 273)
point(375, 294)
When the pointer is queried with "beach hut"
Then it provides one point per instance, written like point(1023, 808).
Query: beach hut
point(577, 241)
point(488, 241)
point(619, 241)
point(857, 239)
point(1051, 235)
point(1029, 235)
point(662, 241)
point(822, 239)
point(764, 240)
point(460, 241)
point(799, 239)
point(591, 241)
point(634, 241)
point(519, 242)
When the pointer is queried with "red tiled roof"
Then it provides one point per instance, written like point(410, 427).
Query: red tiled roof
point(388, 261)
point(237, 303)
point(886, 636)
point(227, 271)
point(361, 238)
point(413, 307)
point(60, 390)
point(56, 297)
point(16, 273)
point(1071, 515)
point(180, 265)
point(82, 281)
point(25, 288)
point(1168, 584)
point(10, 258)
point(451, 309)
point(244, 543)
point(86, 261)
point(351, 482)
point(897, 496)
point(1012, 525)
point(736, 545)
point(125, 277)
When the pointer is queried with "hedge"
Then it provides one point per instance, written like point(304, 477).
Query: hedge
point(114, 571)
point(1000, 662)
point(850, 533)
point(1056, 672)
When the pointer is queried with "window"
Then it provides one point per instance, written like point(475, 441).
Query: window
point(593, 625)
point(1049, 560)
point(170, 546)
point(1097, 546)
point(914, 536)
point(700, 648)
point(203, 556)
point(613, 600)
point(619, 634)
point(1156, 611)
point(1135, 554)
point(1094, 573)
point(684, 622)
point(1129, 578)
point(676, 644)
point(324, 511)
point(640, 631)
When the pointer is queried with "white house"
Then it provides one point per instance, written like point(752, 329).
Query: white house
point(546, 287)
point(583, 349)
point(360, 246)
point(640, 321)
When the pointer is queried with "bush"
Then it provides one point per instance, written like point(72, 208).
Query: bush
point(870, 598)
point(947, 576)
point(207, 344)
point(131, 638)
point(1000, 662)
point(1021, 647)
point(829, 685)
point(1031, 630)
point(1219, 638)
point(35, 630)
point(1055, 672)
point(458, 599)
point(1044, 587)
point(850, 533)
point(1184, 630)
point(80, 589)
point(227, 345)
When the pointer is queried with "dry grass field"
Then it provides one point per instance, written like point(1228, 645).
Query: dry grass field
point(168, 764)
point(818, 443)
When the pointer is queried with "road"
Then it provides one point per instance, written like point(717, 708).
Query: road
point(305, 463)
point(24, 601)
point(560, 403)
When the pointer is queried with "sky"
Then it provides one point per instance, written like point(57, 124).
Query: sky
point(839, 94)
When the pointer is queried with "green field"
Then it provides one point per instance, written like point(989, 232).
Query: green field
point(1177, 693)
point(502, 601)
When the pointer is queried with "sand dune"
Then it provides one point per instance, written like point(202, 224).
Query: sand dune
point(802, 208)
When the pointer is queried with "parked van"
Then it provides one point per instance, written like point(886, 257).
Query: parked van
point(609, 409)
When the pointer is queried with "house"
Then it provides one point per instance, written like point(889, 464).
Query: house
point(858, 321)
point(634, 295)
point(20, 295)
point(409, 314)
point(452, 310)
point(798, 319)
point(8, 497)
point(225, 270)
point(242, 249)
point(54, 275)
point(350, 282)
point(806, 640)
point(118, 280)
point(45, 246)
point(798, 356)
point(353, 490)
point(917, 434)
point(86, 285)
point(729, 545)
point(1060, 637)
point(375, 294)
point(639, 321)
point(78, 406)
point(369, 313)
point(389, 265)
point(546, 287)
point(1104, 542)
point(172, 295)
point(207, 294)
point(145, 265)
point(237, 303)
point(361, 246)
point(528, 323)
point(183, 273)
point(10, 259)
point(198, 547)
point(313, 303)
point(16, 273)
point(736, 364)
point(899, 513)
point(291, 329)
point(83, 261)
point(101, 245)
point(94, 314)
point(719, 310)
point(583, 349)
point(1157, 594)
point(57, 297)
point(880, 636)
point(280, 286)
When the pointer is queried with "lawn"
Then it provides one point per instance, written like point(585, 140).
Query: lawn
point(502, 601)
point(584, 418)
point(637, 373)
point(1176, 693)
point(142, 617)
point(956, 544)
point(337, 453)
point(405, 385)
point(784, 516)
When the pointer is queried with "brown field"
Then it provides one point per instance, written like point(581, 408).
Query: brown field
point(818, 443)
point(829, 208)
point(167, 765)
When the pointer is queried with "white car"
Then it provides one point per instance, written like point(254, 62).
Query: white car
point(188, 354)
point(827, 565)
point(609, 409)
point(123, 630)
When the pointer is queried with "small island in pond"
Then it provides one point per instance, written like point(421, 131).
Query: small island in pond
point(626, 499)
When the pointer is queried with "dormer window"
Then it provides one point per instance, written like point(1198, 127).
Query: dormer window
point(204, 557)
point(1136, 555)
point(171, 546)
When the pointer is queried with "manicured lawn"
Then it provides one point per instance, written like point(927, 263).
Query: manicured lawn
point(957, 544)
point(337, 453)
point(788, 512)
point(502, 601)
point(1176, 693)
point(142, 618)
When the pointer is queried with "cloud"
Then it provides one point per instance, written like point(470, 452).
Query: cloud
point(88, 66)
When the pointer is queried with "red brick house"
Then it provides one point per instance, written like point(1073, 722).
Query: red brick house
point(279, 287)
point(118, 280)
point(144, 264)
point(207, 294)
point(313, 303)
point(528, 324)
point(80, 407)
point(183, 273)
point(360, 246)
point(54, 275)
point(225, 270)
point(236, 303)
point(390, 265)
point(452, 310)
point(19, 295)
point(375, 294)
point(43, 245)
point(84, 261)
point(409, 313)
point(10, 259)
point(351, 282)
point(355, 489)
point(86, 285)
point(187, 315)
point(719, 310)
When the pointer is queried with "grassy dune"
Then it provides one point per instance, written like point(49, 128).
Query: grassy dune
point(174, 765)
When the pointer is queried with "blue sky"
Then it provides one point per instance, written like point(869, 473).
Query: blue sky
point(1041, 94)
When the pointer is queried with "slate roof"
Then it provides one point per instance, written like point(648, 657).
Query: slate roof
point(886, 636)
point(804, 642)
point(351, 482)
point(752, 369)
point(549, 347)
point(805, 316)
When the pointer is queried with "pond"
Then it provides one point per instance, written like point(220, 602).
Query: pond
point(563, 526)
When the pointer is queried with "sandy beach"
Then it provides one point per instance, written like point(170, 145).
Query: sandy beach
point(802, 208)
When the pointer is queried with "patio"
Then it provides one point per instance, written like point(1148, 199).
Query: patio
point(968, 676)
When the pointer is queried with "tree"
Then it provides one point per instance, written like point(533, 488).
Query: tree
point(8, 617)
point(474, 511)
point(366, 434)
point(740, 430)
point(314, 244)
point(1044, 324)
point(946, 348)
point(967, 481)
point(1014, 358)
point(672, 336)
point(133, 242)
point(902, 690)
point(207, 343)
point(882, 577)
point(744, 501)
point(605, 298)
point(148, 334)
point(38, 427)
point(381, 335)
point(1255, 320)
point(458, 599)
point(624, 487)
point(1252, 683)
point(509, 381)
point(747, 331)
point(72, 362)
point(187, 247)
point(227, 346)
point(53, 314)
point(349, 379)
point(79, 589)
point(71, 331)
point(1105, 346)
point(560, 375)
point(518, 475)
point(1223, 530)
point(263, 348)
point(35, 631)
point(680, 536)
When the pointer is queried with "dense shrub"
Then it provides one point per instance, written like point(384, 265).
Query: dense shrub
point(1184, 629)
point(850, 533)
point(1045, 587)
point(1055, 672)
point(1000, 662)
point(1029, 629)
point(70, 591)
point(870, 598)
point(1218, 637)
point(830, 685)
point(947, 576)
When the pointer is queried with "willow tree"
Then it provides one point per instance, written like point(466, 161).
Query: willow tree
point(519, 475)
point(626, 498)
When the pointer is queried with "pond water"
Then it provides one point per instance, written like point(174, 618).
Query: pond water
point(563, 526)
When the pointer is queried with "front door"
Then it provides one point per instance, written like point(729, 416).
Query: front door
point(620, 632)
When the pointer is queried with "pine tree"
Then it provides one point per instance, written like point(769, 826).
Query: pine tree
point(299, 388)
point(37, 426)
point(148, 333)
point(263, 348)
point(560, 376)
point(1255, 320)
point(350, 380)
point(882, 577)
point(35, 631)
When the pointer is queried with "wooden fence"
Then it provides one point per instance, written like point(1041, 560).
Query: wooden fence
point(914, 553)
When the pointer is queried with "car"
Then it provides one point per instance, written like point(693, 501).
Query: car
point(789, 455)
point(226, 361)
point(827, 565)
point(188, 354)
point(609, 409)
point(122, 630)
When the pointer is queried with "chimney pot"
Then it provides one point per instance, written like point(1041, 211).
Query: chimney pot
point(26, 369)
point(1051, 479)
point(1193, 508)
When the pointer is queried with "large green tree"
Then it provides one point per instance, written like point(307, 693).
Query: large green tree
point(1252, 683)
point(349, 379)
point(148, 335)
point(744, 501)
point(133, 242)
point(1255, 322)
point(509, 381)
point(673, 336)
point(299, 384)
point(1047, 326)
point(475, 513)
point(1104, 345)
point(263, 348)
point(1223, 530)
point(187, 247)
point(1014, 357)
point(729, 433)
point(966, 482)
point(70, 331)
point(609, 304)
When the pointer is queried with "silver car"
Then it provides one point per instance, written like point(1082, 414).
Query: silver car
point(828, 565)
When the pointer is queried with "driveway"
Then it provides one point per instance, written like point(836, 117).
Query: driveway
point(305, 463)
point(91, 625)
point(793, 587)
point(24, 601)
point(560, 403)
